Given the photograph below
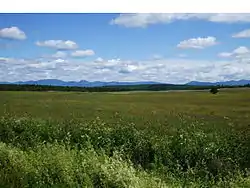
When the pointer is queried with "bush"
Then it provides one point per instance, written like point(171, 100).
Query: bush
point(214, 90)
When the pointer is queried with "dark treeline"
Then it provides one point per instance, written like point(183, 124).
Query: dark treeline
point(14, 87)
point(150, 87)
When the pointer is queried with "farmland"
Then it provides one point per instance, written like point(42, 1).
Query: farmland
point(125, 139)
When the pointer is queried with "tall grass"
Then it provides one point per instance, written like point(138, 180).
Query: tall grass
point(95, 154)
point(56, 165)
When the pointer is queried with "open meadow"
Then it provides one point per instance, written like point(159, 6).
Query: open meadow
point(127, 139)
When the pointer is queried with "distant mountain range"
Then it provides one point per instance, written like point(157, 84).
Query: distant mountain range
point(226, 83)
point(84, 83)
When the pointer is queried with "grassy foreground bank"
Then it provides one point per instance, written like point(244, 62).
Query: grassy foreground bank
point(95, 154)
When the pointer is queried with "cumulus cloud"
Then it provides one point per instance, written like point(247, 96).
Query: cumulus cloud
point(82, 53)
point(58, 44)
point(128, 69)
point(145, 19)
point(242, 34)
point(12, 33)
point(177, 70)
point(198, 43)
point(240, 52)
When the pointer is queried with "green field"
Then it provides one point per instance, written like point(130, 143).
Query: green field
point(125, 139)
point(150, 106)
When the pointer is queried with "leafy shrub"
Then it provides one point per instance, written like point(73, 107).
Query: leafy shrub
point(214, 90)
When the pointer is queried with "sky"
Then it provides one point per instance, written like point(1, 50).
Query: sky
point(161, 47)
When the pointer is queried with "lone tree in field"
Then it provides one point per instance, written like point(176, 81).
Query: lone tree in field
point(214, 90)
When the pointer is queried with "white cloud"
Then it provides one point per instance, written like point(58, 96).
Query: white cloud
point(12, 33)
point(242, 34)
point(4, 59)
point(58, 44)
point(229, 17)
point(178, 70)
point(128, 69)
point(82, 53)
point(143, 19)
point(241, 52)
point(198, 43)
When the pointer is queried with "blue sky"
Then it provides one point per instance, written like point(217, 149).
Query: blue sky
point(173, 48)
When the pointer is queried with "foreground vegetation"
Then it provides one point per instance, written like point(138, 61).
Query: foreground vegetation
point(77, 154)
point(155, 142)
